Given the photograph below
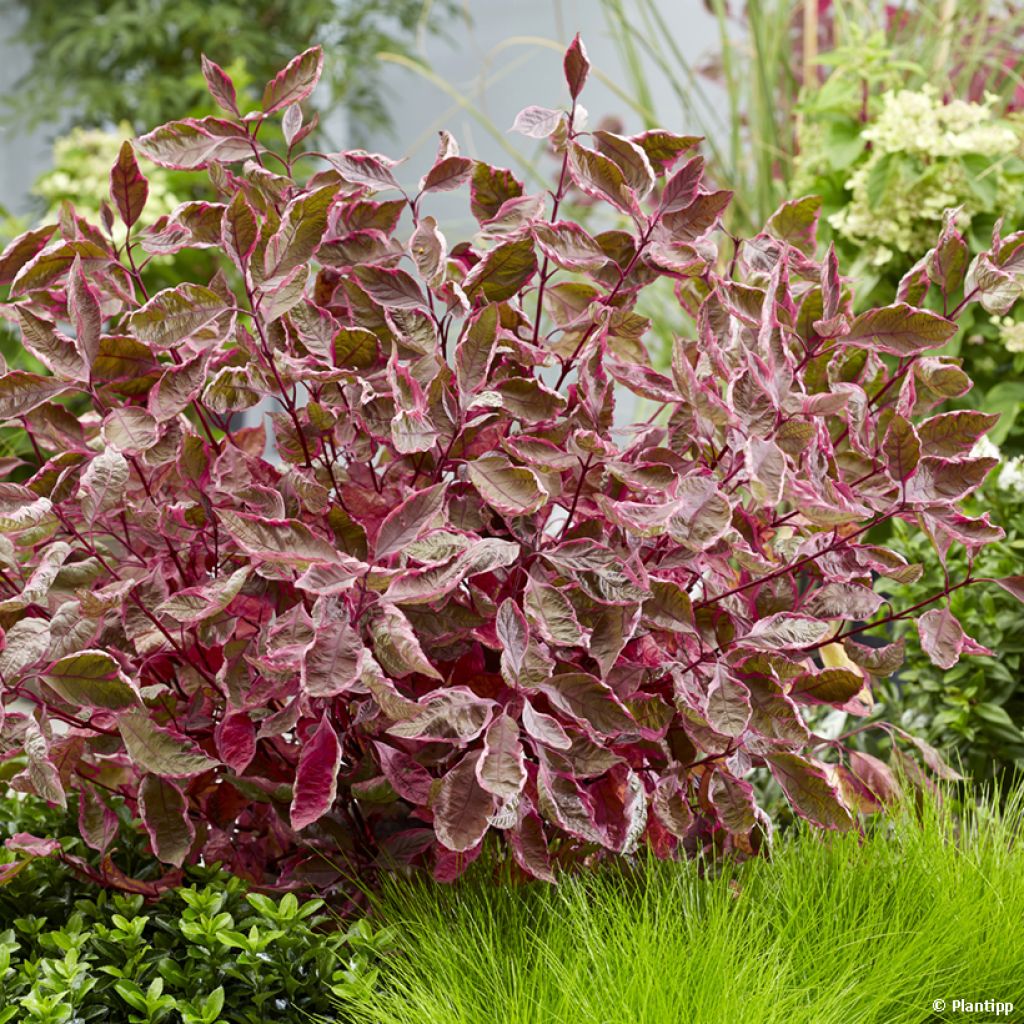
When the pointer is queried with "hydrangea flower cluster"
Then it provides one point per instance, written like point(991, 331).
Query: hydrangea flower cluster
point(1011, 472)
point(1011, 333)
point(81, 174)
point(924, 156)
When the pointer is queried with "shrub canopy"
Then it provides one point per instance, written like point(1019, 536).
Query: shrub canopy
point(444, 595)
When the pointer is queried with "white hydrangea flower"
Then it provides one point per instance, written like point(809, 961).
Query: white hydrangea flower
point(1011, 333)
point(914, 171)
point(985, 449)
point(81, 173)
point(1011, 473)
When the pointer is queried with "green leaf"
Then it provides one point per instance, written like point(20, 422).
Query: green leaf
point(844, 143)
point(512, 490)
point(175, 313)
point(900, 330)
point(503, 271)
point(21, 392)
point(92, 679)
point(878, 179)
point(157, 749)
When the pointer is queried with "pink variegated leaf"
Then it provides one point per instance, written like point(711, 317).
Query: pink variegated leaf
point(900, 330)
point(235, 739)
point(333, 662)
point(410, 780)
point(163, 808)
point(463, 806)
point(30, 845)
point(501, 769)
point(530, 847)
point(682, 188)
point(128, 186)
point(316, 777)
point(97, 823)
point(942, 637)
point(219, 85)
point(941, 481)
point(537, 122)
point(455, 715)
point(807, 788)
point(295, 81)
point(407, 521)
point(514, 635)
point(1013, 585)
point(576, 66)
point(192, 144)
point(544, 728)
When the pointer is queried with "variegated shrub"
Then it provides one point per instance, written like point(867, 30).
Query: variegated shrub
point(434, 592)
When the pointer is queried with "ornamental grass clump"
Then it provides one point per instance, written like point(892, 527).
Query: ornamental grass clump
point(435, 593)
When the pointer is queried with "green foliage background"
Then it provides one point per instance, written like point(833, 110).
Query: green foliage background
point(975, 710)
point(207, 952)
point(100, 62)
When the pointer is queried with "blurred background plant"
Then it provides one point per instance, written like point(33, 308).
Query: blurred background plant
point(838, 99)
point(126, 67)
point(889, 157)
point(748, 97)
point(975, 710)
point(126, 61)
